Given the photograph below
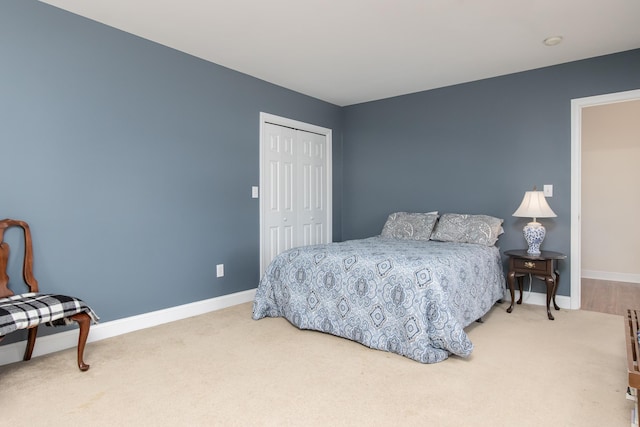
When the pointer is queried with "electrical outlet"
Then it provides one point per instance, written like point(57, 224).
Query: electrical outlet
point(220, 270)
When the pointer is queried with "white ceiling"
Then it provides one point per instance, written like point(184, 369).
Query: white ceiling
point(351, 51)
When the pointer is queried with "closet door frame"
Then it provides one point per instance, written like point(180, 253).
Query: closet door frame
point(307, 127)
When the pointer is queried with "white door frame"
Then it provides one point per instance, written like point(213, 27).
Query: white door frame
point(576, 179)
point(283, 121)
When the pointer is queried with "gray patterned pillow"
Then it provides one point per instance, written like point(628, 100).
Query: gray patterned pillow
point(405, 225)
point(481, 229)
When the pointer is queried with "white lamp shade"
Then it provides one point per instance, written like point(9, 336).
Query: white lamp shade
point(534, 205)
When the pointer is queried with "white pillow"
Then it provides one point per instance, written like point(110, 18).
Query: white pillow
point(406, 225)
point(463, 228)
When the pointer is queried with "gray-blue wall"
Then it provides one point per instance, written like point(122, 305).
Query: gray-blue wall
point(133, 162)
point(475, 148)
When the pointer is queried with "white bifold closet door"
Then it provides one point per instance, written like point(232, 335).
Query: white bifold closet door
point(294, 190)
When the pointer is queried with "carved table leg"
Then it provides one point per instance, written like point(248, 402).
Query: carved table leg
point(84, 321)
point(555, 289)
point(510, 278)
point(551, 284)
point(520, 288)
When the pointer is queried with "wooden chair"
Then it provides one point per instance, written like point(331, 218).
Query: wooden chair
point(29, 310)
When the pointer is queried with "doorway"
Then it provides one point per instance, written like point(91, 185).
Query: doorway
point(295, 185)
point(577, 106)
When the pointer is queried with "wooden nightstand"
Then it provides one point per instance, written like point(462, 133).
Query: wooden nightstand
point(543, 266)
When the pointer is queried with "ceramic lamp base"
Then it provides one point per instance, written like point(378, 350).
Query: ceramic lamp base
point(534, 233)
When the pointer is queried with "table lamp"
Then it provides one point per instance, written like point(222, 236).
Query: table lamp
point(534, 205)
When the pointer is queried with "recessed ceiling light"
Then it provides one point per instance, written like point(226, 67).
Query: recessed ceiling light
point(552, 41)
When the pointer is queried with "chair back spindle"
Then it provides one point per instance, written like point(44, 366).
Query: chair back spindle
point(27, 265)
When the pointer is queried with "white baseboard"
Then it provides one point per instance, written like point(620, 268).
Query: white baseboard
point(614, 277)
point(538, 298)
point(14, 352)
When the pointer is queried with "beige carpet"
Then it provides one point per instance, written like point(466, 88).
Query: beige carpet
point(223, 369)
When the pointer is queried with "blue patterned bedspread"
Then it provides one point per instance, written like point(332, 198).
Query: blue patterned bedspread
point(408, 297)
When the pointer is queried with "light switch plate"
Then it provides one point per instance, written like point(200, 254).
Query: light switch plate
point(254, 192)
point(548, 190)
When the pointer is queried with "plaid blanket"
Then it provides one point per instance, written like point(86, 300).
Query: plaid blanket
point(26, 310)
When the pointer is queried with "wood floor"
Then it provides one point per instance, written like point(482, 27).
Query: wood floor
point(609, 297)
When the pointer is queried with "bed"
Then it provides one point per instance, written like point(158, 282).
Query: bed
point(411, 290)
